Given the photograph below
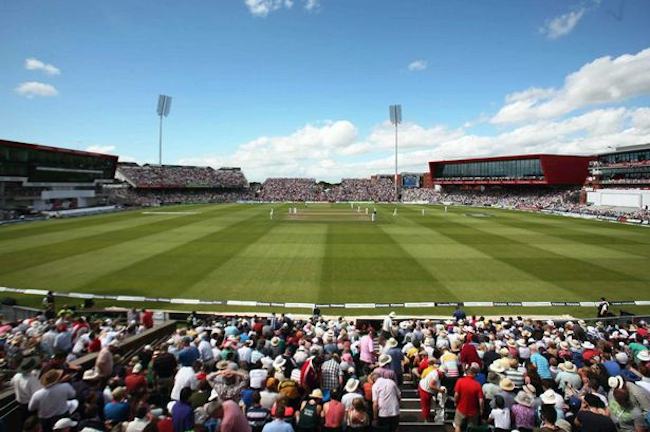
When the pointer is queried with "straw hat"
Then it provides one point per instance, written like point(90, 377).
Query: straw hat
point(521, 343)
point(511, 343)
point(530, 389)
point(507, 384)
point(392, 314)
point(90, 375)
point(616, 382)
point(352, 385)
point(523, 398)
point(279, 362)
point(549, 397)
point(392, 343)
point(275, 341)
point(644, 355)
point(64, 423)
point(567, 366)
point(497, 367)
point(564, 345)
point(51, 377)
point(588, 345)
point(316, 394)
point(384, 359)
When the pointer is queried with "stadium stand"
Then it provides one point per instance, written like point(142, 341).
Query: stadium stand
point(151, 185)
point(250, 372)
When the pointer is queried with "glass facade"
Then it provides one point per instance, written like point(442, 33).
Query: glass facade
point(511, 169)
point(622, 157)
point(40, 165)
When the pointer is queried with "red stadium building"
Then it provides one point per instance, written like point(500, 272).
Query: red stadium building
point(533, 169)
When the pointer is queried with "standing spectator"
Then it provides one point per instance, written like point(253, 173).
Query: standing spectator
point(51, 401)
point(396, 359)
point(182, 413)
point(367, 350)
point(308, 418)
point(356, 417)
point(278, 424)
point(231, 416)
point(331, 373)
point(147, 318)
point(386, 398)
point(104, 361)
point(592, 416)
point(523, 414)
point(25, 384)
point(469, 400)
point(333, 413)
point(257, 415)
point(428, 388)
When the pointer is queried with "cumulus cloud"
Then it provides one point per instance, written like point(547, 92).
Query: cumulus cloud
point(417, 65)
point(35, 64)
point(262, 8)
point(562, 25)
point(32, 89)
point(106, 149)
point(334, 150)
point(605, 80)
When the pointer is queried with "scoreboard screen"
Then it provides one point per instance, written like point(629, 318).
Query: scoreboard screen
point(410, 181)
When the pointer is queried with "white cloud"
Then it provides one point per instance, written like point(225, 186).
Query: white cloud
point(334, 150)
point(31, 89)
point(417, 65)
point(35, 64)
point(605, 80)
point(107, 149)
point(262, 8)
point(562, 25)
point(311, 5)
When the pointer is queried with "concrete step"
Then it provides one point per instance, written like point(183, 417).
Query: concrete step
point(409, 403)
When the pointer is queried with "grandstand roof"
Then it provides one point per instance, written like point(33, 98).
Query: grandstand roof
point(17, 144)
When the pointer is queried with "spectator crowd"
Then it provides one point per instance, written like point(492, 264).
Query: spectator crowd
point(281, 373)
point(176, 176)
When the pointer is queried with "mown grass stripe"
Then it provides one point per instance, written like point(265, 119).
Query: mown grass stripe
point(34, 256)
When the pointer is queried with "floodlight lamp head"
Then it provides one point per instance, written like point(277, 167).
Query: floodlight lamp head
point(164, 105)
point(395, 114)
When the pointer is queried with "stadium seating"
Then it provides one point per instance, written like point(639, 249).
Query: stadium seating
point(285, 359)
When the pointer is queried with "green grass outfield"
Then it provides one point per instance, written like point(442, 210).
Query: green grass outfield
point(331, 254)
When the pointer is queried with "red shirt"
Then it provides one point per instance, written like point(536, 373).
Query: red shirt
point(469, 355)
point(95, 345)
point(134, 382)
point(147, 319)
point(469, 393)
point(165, 425)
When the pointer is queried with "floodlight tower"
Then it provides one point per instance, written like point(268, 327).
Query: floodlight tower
point(164, 104)
point(395, 119)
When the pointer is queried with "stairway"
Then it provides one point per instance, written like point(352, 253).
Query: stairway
point(410, 420)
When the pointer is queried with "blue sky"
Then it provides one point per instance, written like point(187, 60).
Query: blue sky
point(302, 87)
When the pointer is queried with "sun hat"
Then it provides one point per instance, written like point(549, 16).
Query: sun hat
point(567, 366)
point(504, 352)
point(392, 343)
point(497, 367)
point(622, 357)
point(90, 375)
point(222, 365)
point(275, 341)
point(51, 377)
point(588, 345)
point(118, 393)
point(549, 397)
point(521, 343)
point(564, 345)
point(352, 385)
point(644, 355)
point(137, 368)
point(616, 382)
point(530, 389)
point(316, 394)
point(392, 314)
point(507, 384)
point(384, 359)
point(524, 398)
point(64, 423)
point(279, 362)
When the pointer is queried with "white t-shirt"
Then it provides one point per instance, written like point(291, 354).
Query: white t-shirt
point(432, 377)
point(185, 377)
point(258, 378)
point(25, 385)
point(52, 401)
point(501, 418)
